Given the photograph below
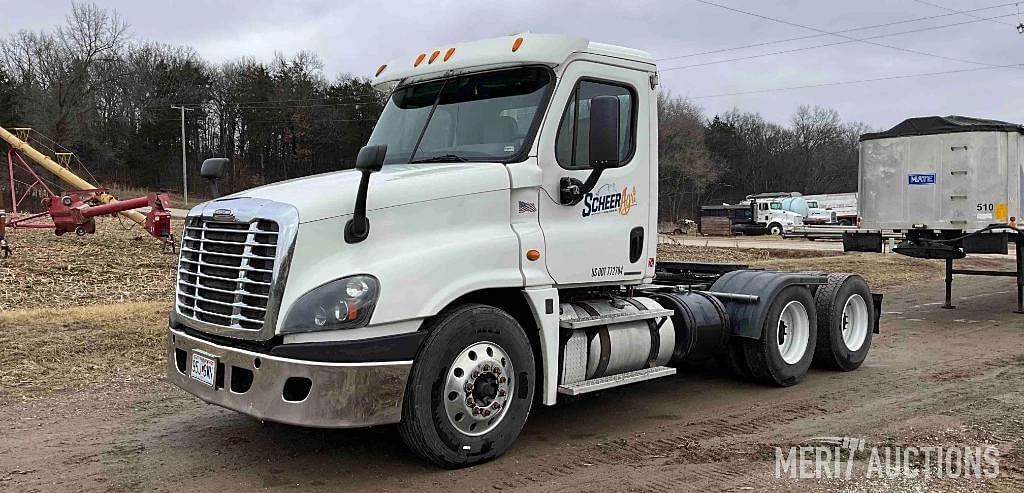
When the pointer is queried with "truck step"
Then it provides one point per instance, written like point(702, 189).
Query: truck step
point(616, 380)
point(582, 323)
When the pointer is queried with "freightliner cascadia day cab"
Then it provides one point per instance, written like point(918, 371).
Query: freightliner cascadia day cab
point(494, 249)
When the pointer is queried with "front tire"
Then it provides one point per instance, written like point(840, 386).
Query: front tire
point(784, 353)
point(471, 387)
point(775, 229)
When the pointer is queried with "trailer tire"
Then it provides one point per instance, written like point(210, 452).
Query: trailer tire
point(775, 229)
point(439, 384)
point(785, 350)
point(846, 320)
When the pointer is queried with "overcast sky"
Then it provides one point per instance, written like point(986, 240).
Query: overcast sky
point(357, 36)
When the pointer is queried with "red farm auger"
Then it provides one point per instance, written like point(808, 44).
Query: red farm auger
point(72, 210)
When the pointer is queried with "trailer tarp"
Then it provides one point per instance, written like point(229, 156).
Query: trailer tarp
point(930, 125)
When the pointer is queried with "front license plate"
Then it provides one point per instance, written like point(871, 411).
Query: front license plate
point(204, 369)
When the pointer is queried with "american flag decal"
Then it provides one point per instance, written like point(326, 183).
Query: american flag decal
point(525, 207)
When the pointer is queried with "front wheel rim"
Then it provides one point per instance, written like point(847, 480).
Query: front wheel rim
point(794, 332)
point(855, 322)
point(478, 388)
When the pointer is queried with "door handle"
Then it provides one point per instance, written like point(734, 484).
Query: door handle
point(636, 244)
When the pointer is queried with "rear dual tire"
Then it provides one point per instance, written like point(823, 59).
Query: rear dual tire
point(847, 322)
point(783, 354)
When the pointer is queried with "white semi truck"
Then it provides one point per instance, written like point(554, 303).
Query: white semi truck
point(493, 249)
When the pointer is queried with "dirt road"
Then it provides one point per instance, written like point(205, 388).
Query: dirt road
point(934, 377)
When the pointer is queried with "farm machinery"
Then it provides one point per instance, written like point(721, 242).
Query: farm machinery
point(73, 210)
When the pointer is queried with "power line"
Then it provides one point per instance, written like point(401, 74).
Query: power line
point(812, 36)
point(849, 82)
point(963, 12)
point(883, 45)
point(270, 106)
point(825, 45)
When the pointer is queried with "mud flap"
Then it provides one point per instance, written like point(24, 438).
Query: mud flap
point(876, 299)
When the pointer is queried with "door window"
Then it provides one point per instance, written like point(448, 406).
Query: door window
point(572, 143)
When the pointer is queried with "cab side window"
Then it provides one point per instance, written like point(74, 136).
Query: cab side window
point(572, 143)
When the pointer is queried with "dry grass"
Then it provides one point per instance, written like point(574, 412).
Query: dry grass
point(177, 201)
point(52, 350)
point(734, 255)
point(881, 271)
point(114, 265)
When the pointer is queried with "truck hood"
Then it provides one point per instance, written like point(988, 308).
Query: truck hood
point(333, 194)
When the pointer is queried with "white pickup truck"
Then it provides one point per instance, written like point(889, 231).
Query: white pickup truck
point(494, 249)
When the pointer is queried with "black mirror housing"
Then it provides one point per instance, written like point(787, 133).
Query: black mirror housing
point(215, 168)
point(371, 158)
point(604, 132)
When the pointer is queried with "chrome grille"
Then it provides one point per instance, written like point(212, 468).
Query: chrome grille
point(226, 271)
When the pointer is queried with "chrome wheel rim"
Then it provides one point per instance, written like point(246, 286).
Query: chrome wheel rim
point(794, 331)
point(478, 388)
point(855, 322)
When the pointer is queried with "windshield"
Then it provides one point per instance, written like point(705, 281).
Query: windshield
point(479, 117)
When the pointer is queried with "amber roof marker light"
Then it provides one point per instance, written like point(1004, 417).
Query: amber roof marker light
point(419, 59)
point(516, 44)
point(434, 55)
point(380, 69)
point(448, 54)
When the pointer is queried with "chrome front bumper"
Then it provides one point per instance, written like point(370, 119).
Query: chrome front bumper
point(341, 395)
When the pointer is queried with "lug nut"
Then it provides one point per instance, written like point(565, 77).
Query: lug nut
point(502, 380)
point(470, 402)
point(502, 393)
point(497, 370)
point(468, 387)
point(485, 368)
point(476, 373)
point(496, 406)
point(486, 412)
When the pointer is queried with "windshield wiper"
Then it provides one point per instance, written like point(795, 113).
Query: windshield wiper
point(444, 158)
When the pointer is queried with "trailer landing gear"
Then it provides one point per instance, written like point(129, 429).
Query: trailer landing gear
point(1018, 274)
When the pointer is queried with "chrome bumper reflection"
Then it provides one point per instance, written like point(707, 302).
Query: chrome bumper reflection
point(341, 395)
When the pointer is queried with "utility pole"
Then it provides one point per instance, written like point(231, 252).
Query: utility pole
point(184, 165)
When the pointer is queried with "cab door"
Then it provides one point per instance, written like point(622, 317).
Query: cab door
point(605, 237)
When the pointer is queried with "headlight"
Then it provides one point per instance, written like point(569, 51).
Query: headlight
point(345, 303)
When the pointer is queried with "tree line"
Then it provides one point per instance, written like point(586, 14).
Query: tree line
point(724, 158)
point(92, 88)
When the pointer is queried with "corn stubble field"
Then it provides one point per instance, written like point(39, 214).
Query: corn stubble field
point(76, 312)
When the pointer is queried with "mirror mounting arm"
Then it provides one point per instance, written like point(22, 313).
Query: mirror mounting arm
point(369, 161)
point(358, 228)
point(572, 190)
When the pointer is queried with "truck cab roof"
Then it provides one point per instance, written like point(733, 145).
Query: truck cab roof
point(518, 49)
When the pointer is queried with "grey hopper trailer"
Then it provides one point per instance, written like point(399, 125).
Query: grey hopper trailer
point(942, 173)
point(949, 186)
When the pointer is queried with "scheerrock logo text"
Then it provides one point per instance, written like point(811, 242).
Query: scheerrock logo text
point(608, 199)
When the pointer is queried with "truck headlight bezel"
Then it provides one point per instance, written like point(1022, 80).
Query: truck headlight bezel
point(345, 303)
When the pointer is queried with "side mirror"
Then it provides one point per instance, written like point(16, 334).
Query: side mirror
point(369, 160)
point(604, 149)
point(213, 170)
point(604, 132)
